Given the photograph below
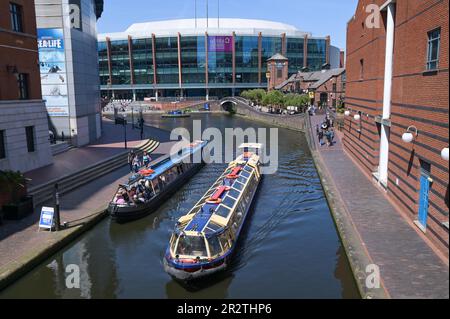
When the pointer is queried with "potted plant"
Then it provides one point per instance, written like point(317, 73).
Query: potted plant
point(13, 184)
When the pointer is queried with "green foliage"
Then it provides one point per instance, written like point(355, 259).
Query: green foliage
point(276, 98)
point(11, 182)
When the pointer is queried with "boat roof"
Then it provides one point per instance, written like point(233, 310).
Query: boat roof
point(212, 218)
point(175, 159)
point(256, 146)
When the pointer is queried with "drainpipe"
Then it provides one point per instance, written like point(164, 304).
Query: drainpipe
point(387, 94)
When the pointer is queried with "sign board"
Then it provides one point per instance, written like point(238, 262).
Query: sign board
point(52, 62)
point(220, 44)
point(311, 95)
point(47, 216)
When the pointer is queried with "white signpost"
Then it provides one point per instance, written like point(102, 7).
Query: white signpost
point(46, 220)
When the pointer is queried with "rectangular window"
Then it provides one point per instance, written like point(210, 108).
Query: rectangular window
point(434, 43)
point(2, 145)
point(15, 11)
point(23, 86)
point(334, 87)
point(29, 131)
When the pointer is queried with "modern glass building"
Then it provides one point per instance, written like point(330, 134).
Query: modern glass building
point(200, 58)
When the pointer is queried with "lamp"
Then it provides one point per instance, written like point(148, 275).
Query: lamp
point(444, 154)
point(347, 113)
point(408, 136)
point(357, 117)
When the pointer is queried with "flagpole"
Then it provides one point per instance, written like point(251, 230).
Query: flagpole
point(218, 14)
point(207, 15)
point(195, 13)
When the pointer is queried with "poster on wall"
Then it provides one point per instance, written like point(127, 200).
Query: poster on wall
point(220, 44)
point(52, 64)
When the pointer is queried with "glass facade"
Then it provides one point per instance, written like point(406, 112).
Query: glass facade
point(316, 57)
point(193, 61)
point(103, 63)
point(246, 59)
point(142, 61)
point(270, 47)
point(120, 62)
point(295, 54)
point(167, 60)
point(220, 59)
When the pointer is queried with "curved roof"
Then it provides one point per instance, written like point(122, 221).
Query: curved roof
point(223, 26)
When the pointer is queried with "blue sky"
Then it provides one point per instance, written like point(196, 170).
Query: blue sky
point(321, 17)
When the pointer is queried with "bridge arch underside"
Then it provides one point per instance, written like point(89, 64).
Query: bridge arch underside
point(229, 106)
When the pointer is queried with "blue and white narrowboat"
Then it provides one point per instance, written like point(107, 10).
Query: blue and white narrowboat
point(148, 189)
point(204, 239)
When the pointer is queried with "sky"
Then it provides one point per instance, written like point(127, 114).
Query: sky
point(320, 17)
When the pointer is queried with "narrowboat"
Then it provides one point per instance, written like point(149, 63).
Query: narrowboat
point(204, 239)
point(147, 190)
point(175, 114)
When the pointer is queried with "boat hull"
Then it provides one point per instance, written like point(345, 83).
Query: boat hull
point(190, 272)
point(123, 214)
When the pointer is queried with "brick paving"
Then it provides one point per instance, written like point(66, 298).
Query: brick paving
point(408, 265)
point(21, 239)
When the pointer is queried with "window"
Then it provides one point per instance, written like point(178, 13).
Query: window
point(16, 17)
point(23, 86)
point(29, 131)
point(191, 246)
point(434, 42)
point(334, 87)
point(2, 145)
point(361, 69)
point(214, 246)
point(279, 73)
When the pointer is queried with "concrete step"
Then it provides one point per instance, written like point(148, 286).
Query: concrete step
point(60, 147)
point(69, 182)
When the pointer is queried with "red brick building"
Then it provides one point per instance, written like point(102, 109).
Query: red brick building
point(327, 86)
point(24, 132)
point(397, 83)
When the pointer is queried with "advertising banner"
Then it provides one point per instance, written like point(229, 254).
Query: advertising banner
point(220, 44)
point(52, 63)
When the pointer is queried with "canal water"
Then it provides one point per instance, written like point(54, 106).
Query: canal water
point(289, 247)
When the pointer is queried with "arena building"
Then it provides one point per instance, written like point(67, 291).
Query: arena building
point(202, 57)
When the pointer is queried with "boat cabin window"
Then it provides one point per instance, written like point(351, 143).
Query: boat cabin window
point(248, 169)
point(234, 193)
point(245, 174)
point(214, 246)
point(226, 240)
point(242, 179)
point(238, 185)
point(228, 201)
point(222, 211)
point(191, 246)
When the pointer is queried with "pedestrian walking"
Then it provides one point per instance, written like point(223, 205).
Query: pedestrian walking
point(131, 157)
point(320, 136)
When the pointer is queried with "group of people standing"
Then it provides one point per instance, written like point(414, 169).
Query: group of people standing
point(325, 132)
point(137, 163)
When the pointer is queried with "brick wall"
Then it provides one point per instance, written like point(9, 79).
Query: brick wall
point(19, 50)
point(418, 98)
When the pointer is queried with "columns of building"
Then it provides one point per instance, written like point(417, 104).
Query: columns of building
point(259, 57)
point(305, 51)
point(234, 62)
point(155, 82)
point(108, 51)
point(130, 57)
point(206, 66)
point(180, 76)
point(387, 94)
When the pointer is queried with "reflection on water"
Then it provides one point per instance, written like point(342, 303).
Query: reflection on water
point(289, 247)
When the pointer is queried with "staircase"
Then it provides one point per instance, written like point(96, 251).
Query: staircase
point(69, 182)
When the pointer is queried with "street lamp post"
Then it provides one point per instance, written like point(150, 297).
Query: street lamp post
point(125, 129)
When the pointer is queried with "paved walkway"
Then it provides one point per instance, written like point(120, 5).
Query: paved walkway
point(409, 267)
point(111, 143)
point(20, 241)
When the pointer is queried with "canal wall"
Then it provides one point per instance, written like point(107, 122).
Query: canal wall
point(295, 122)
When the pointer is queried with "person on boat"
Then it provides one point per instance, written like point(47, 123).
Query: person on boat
point(146, 159)
point(136, 164)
